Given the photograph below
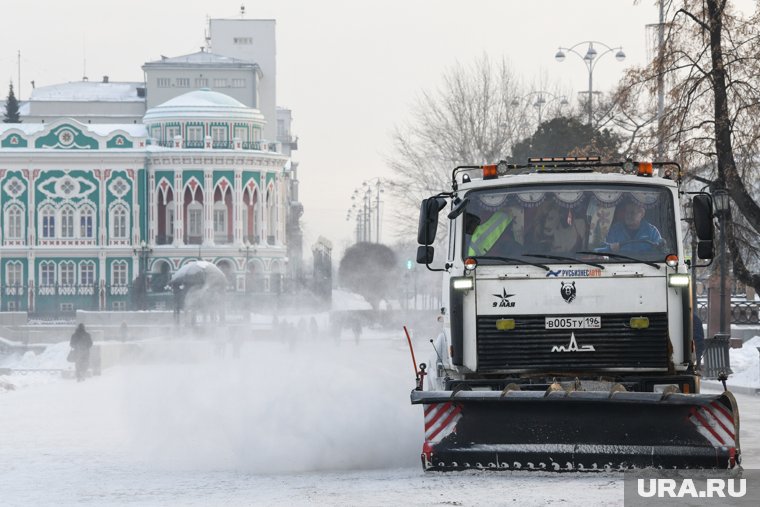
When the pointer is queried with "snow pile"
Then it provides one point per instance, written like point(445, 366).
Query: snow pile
point(49, 362)
point(343, 300)
point(53, 357)
point(745, 363)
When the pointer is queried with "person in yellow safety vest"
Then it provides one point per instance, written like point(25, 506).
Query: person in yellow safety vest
point(488, 234)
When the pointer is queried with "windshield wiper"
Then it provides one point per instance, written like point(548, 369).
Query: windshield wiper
point(619, 256)
point(561, 258)
point(509, 259)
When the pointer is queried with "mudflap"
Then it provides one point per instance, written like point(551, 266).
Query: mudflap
point(578, 431)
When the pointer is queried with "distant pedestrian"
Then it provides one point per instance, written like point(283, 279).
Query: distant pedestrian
point(699, 339)
point(356, 327)
point(313, 327)
point(123, 331)
point(81, 343)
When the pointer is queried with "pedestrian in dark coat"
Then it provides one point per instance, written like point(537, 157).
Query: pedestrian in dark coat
point(81, 343)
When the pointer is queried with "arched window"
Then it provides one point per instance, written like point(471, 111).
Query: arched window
point(87, 273)
point(119, 273)
point(220, 222)
point(67, 273)
point(251, 215)
point(14, 222)
point(67, 222)
point(271, 216)
point(14, 274)
point(47, 273)
point(119, 222)
point(47, 215)
point(86, 221)
point(195, 219)
point(165, 215)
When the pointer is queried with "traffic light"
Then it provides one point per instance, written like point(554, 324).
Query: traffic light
point(409, 264)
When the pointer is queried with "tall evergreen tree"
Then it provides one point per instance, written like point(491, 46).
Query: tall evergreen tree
point(11, 108)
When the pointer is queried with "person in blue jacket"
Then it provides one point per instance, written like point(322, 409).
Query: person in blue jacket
point(632, 233)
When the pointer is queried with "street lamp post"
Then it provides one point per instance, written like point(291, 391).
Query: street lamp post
point(689, 218)
point(590, 59)
point(247, 249)
point(723, 210)
point(540, 101)
point(142, 252)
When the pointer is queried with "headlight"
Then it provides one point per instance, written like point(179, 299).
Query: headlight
point(462, 283)
point(678, 280)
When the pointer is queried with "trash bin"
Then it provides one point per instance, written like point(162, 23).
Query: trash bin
point(716, 359)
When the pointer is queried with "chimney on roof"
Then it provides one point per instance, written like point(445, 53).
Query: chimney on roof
point(105, 79)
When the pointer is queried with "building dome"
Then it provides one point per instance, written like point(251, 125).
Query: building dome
point(203, 104)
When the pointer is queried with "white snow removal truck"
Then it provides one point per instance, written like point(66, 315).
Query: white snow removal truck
point(567, 339)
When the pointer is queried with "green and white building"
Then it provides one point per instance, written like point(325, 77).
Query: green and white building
point(89, 207)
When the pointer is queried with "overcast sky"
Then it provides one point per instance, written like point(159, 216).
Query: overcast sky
point(349, 69)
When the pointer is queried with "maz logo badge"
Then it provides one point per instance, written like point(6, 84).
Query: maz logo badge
point(573, 346)
point(568, 291)
point(504, 301)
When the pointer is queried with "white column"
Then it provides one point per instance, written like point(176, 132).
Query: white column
point(102, 211)
point(179, 218)
point(151, 205)
point(208, 207)
point(237, 208)
point(31, 211)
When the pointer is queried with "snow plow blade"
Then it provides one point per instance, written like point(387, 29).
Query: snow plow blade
point(581, 430)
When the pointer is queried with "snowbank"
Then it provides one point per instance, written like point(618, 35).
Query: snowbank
point(342, 300)
point(745, 363)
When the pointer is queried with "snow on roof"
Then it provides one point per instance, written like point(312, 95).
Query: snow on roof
point(89, 91)
point(26, 128)
point(106, 129)
point(201, 57)
point(203, 97)
point(203, 103)
point(100, 129)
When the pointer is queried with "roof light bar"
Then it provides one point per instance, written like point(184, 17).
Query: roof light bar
point(489, 172)
point(536, 160)
point(645, 169)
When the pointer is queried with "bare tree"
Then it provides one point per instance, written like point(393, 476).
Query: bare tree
point(710, 62)
point(476, 117)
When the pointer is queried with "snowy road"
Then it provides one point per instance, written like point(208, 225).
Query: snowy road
point(314, 424)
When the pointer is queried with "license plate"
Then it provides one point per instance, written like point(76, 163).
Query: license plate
point(573, 322)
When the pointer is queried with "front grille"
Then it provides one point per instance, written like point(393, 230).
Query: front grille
point(529, 345)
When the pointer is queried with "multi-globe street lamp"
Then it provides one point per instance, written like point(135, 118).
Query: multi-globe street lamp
point(590, 59)
point(366, 202)
point(247, 249)
point(142, 251)
point(539, 101)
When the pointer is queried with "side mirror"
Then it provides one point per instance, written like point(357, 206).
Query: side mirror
point(703, 218)
point(705, 249)
point(425, 254)
point(428, 224)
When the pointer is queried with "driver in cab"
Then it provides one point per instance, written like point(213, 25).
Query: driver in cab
point(491, 228)
point(632, 233)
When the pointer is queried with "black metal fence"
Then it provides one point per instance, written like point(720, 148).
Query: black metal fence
point(742, 312)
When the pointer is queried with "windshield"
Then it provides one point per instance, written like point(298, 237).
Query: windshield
point(598, 223)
